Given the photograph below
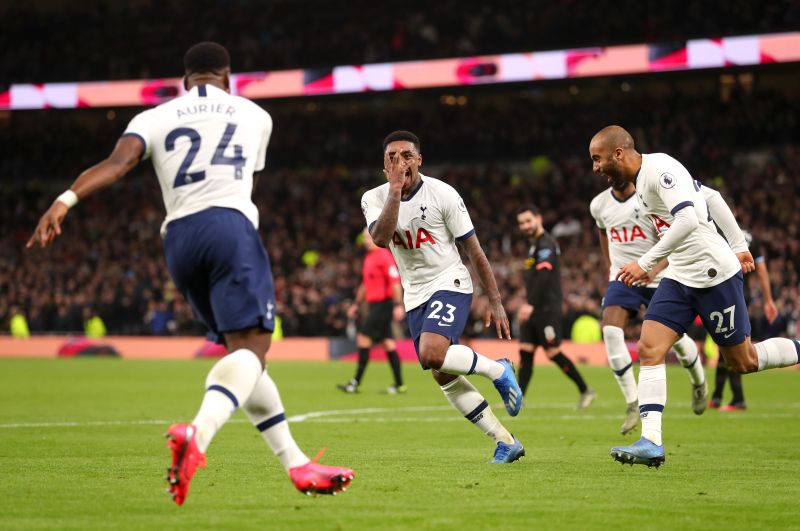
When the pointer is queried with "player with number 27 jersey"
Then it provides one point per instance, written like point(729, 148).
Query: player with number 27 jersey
point(205, 146)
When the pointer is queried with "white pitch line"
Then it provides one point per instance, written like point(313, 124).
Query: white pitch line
point(312, 416)
point(338, 416)
point(364, 411)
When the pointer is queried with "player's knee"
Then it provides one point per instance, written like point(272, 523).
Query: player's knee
point(648, 351)
point(431, 357)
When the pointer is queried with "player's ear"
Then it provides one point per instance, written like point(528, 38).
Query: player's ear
point(226, 79)
point(185, 83)
point(420, 160)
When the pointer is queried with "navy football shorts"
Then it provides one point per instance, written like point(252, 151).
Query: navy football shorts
point(445, 313)
point(721, 308)
point(219, 264)
point(629, 297)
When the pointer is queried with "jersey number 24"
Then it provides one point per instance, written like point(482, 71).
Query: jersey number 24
point(219, 159)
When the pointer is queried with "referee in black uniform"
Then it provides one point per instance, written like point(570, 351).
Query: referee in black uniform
point(540, 318)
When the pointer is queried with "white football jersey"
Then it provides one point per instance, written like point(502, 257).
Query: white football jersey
point(429, 223)
point(205, 146)
point(703, 259)
point(630, 233)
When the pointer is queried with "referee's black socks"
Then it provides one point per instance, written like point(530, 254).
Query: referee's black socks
point(570, 370)
point(525, 372)
point(363, 359)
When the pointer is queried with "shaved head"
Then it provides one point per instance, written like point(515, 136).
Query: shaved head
point(614, 156)
point(613, 137)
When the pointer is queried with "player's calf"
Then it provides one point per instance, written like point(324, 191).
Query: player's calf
point(768, 354)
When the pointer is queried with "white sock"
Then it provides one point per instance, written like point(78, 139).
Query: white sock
point(228, 385)
point(619, 359)
point(777, 352)
point(652, 398)
point(470, 403)
point(686, 350)
point(461, 359)
point(265, 410)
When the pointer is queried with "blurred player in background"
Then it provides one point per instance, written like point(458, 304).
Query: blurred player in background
point(380, 288)
point(205, 146)
point(420, 219)
point(540, 318)
point(723, 374)
point(626, 235)
point(705, 277)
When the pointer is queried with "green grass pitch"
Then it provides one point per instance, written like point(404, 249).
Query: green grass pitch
point(81, 447)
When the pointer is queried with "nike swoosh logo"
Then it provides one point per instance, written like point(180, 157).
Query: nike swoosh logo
point(726, 336)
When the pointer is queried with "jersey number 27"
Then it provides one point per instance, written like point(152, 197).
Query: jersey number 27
point(219, 159)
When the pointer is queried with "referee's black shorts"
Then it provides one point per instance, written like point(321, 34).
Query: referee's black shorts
point(542, 329)
point(378, 323)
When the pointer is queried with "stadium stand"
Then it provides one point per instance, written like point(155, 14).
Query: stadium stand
point(352, 33)
point(501, 147)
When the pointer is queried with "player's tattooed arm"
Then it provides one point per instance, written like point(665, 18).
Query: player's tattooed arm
point(125, 156)
point(495, 310)
point(395, 169)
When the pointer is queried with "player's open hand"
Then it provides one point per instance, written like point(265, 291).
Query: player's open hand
point(746, 259)
point(395, 170)
point(631, 274)
point(495, 311)
point(49, 225)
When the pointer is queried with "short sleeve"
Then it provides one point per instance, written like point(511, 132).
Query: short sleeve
point(457, 218)
point(141, 127)
point(676, 189)
point(546, 253)
point(594, 210)
point(370, 208)
point(261, 159)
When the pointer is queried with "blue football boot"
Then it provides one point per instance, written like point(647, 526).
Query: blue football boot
point(507, 453)
point(642, 452)
point(508, 388)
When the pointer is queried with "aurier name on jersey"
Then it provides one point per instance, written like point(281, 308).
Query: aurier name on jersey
point(704, 258)
point(205, 146)
point(429, 223)
point(630, 233)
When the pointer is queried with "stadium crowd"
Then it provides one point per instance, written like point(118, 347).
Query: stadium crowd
point(500, 149)
point(277, 35)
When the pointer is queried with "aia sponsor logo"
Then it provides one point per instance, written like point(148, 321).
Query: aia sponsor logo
point(659, 223)
point(626, 234)
point(407, 240)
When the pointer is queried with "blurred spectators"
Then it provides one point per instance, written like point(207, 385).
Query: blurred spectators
point(94, 40)
point(501, 149)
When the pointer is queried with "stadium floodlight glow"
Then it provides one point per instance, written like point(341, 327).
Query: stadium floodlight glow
point(487, 69)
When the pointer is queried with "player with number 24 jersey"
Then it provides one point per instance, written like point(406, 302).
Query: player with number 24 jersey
point(205, 146)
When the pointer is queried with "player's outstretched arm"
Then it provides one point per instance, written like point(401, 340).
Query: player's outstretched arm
point(484, 269)
point(770, 309)
point(125, 156)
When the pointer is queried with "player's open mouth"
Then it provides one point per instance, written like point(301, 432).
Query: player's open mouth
point(408, 173)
